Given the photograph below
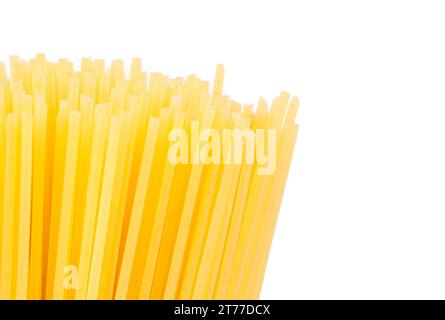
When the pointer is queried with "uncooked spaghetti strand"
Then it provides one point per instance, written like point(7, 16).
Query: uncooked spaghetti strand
point(136, 216)
point(158, 221)
point(92, 200)
point(171, 289)
point(103, 215)
point(38, 198)
point(25, 206)
point(66, 213)
point(270, 224)
point(9, 202)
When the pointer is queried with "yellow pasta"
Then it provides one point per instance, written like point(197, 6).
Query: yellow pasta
point(103, 217)
point(9, 210)
point(185, 221)
point(66, 209)
point(146, 187)
point(25, 207)
point(38, 198)
point(137, 212)
point(92, 202)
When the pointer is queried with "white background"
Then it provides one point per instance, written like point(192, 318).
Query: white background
point(364, 211)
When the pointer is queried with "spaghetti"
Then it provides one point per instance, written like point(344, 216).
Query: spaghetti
point(142, 188)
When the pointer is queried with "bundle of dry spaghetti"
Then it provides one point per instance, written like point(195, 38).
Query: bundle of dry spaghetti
point(135, 188)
